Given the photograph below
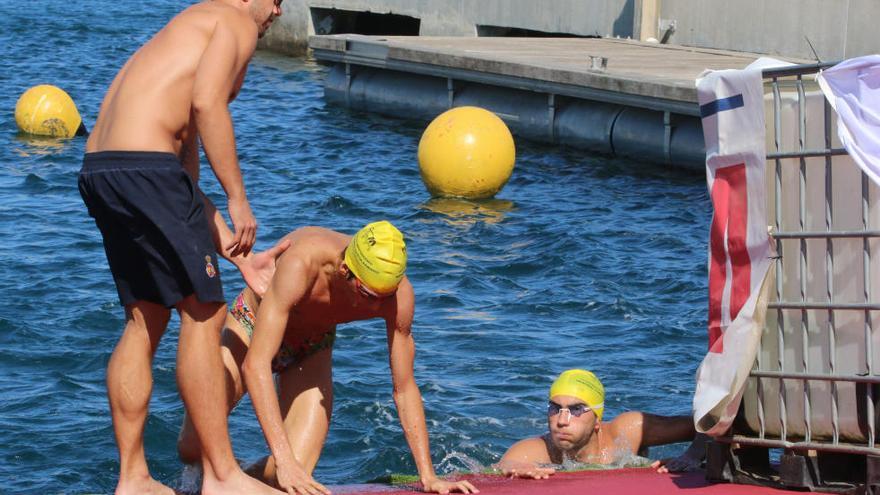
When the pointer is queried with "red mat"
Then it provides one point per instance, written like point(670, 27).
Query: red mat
point(610, 482)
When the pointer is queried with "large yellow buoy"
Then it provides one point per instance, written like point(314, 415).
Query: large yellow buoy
point(47, 110)
point(466, 152)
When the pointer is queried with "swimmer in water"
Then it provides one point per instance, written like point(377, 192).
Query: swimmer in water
point(324, 279)
point(577, 433)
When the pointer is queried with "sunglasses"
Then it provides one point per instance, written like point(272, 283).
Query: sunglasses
point(576, 410)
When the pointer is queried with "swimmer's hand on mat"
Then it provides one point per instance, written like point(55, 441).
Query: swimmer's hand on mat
point(680, 464)
point(294, 480)
point(257, 269)
point(525, 470)
point(691, 460)
point(245, 226)
point(436, 485)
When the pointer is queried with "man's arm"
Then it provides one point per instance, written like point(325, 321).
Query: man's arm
point(678, 429)
point(293, 279)
point(646, 430)
point(523, 460)
point(220, 232)
point(640, 430)
point(222, 64)
point(407, 398)
point(660, 430)
point(257, 269)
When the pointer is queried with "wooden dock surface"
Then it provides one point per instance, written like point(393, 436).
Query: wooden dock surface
point(642, 70)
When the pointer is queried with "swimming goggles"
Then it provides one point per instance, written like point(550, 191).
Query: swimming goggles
point(576, 410)
point(366, 291)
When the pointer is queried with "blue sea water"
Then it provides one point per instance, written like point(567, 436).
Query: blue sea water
point(580, 261)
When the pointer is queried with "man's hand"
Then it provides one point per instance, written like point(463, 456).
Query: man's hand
point(680, 464)
point(245, 227)
point(294, 480)
point(691, 460)
point(528, 471)
point(258, 269)
point(436, 485)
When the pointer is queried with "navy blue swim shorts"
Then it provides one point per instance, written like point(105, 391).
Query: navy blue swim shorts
point(156, 235)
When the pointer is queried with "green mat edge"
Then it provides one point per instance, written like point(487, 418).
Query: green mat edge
point(409, 479)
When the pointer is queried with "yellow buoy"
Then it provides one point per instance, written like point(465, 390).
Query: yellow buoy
point(47, 110)
point(466, 152)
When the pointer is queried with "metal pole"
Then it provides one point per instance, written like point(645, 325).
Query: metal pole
point(777, 132)
point(869, 341)
point(450, 92)
point(802, 260)
point(829, 268)
point(348, 77)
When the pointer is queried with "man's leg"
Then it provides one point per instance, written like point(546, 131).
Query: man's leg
point(306, 400)
point(129, 385)
point(234, 346)
point(202, 386)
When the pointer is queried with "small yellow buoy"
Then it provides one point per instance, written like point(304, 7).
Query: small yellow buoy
point(47, 110)
point(466, 152)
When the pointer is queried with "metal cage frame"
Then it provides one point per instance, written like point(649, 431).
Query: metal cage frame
point(804, 443)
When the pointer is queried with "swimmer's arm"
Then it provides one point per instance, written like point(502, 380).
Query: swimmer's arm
point(407, 398)
point(271, 321)
point(639, 430)
point(220, 68)
point(661, 430)
point(523, 459)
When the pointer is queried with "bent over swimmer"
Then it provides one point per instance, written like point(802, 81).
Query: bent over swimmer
point(324, 279)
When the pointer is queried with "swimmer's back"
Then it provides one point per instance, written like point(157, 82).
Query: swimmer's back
point(148, 105)
point(316, 246)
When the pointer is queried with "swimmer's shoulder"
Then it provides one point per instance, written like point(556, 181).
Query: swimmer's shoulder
point(626, 427)
point(312, 238)
point(625, 421)
point(533, 449)
point(314, 246)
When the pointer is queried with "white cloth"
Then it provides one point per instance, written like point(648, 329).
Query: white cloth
point(732, 107)
point(853, 89)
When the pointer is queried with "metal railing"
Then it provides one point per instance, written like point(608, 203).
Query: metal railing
point(773, 371)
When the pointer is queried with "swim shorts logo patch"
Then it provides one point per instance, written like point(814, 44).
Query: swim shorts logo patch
point(209, 267)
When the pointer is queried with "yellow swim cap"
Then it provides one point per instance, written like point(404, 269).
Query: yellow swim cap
point(581, 384)
point(377, 256)
point(48, 111)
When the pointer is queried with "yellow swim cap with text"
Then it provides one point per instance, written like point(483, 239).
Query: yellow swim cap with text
point(581, 384)
point(377, 256)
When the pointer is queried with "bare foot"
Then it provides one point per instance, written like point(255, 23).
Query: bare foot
point(142, 486)
point(237, 484)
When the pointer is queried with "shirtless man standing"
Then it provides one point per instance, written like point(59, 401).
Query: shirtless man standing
point(324, 279)
point(161, 234)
